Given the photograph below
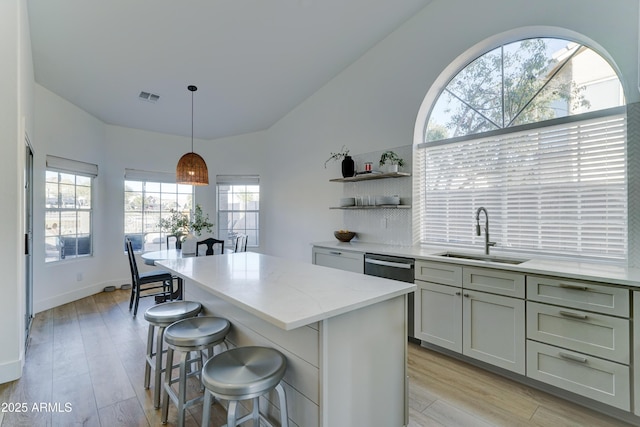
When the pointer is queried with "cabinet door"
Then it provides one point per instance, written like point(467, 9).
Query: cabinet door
point(494, 330)
point(438, 315)
point(340, 259)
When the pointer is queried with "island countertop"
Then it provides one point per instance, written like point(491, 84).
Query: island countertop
point(286, 293)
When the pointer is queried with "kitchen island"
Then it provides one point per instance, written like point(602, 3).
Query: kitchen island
point(344, 334)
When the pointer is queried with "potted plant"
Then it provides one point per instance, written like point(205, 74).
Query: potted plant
point(348, 165)
point(176, 224)
point(392, 160)
point(179, 224)
point(200, 222)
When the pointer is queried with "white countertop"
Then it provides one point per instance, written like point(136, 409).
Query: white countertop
point(592, 271)
point(283, 292)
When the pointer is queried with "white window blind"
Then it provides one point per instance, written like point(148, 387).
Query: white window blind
point(550, 190)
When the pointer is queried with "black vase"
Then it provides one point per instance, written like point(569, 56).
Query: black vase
point(348, 167)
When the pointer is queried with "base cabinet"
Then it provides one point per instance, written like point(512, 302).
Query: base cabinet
point(599, 379)
point(438, 317)
point(340, 259)
point(481, 325)
point(494, 330)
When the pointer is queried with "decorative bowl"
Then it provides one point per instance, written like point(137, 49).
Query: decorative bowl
point(344, 235)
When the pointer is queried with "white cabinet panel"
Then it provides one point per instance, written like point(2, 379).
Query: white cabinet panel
point(494, 281)
point(596, 334)
point(494, 330)
point(636, 352)
point(439, 272)
point(438, 315)
point(602, 380)
point(581, 295)
point(340, 259)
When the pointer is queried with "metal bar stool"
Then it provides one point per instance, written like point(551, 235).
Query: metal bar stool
point(244, 373)
point(186, 336)
point(161, 316)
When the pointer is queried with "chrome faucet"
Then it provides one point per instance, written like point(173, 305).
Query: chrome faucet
point(487, 243)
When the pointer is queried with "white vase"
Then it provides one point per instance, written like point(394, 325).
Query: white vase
point(392, 168)
point(189, 245)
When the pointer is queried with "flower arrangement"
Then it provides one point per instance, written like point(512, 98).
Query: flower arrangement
point(344, 152)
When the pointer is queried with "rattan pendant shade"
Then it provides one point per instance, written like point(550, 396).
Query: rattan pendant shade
point(192, 169)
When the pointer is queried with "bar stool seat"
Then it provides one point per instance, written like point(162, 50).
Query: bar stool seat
point(244, 373)
point(161, 316)
point(186, 336)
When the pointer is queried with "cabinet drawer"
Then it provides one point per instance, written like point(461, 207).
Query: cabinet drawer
point(340, 259)
point(439, 272)
point(589, 333)
point(493, 281)
point(598, 379)
point(581, 295)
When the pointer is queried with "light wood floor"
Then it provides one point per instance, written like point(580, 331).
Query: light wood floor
point(89, 354)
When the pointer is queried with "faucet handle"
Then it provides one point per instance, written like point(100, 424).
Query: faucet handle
point(491, 243)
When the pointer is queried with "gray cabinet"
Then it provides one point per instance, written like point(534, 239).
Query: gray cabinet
point(338, 258)
point(578, 338)
point(451, 313)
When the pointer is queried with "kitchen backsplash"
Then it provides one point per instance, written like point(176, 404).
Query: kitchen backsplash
point(386, 225)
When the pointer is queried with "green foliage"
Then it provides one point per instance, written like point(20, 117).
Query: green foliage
point(344, 152)
point(178, 223)
point(391, 158)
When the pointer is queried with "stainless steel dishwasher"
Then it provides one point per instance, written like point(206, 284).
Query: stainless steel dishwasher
point(395, 268)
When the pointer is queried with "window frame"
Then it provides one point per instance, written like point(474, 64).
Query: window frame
point(81, 244)
point(146, 179)
point(253, 240)
point(421, 144)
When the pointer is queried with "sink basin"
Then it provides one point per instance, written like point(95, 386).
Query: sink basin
point(479, 257)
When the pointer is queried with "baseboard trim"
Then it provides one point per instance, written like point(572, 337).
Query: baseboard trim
point(76, 294)
point(11, 371)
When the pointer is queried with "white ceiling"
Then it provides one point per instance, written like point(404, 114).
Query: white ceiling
point(252, 60)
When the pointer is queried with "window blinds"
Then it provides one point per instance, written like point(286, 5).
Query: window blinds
point(61, 164)
point(551, 190)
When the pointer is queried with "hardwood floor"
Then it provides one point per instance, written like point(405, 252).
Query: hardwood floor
point(85, 366)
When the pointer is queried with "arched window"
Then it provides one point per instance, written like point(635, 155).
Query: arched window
point(535, 132)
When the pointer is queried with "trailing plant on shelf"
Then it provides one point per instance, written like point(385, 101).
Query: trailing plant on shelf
point(340, 155)
point(392, 160)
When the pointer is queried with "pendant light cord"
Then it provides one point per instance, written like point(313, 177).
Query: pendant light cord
point(192, 89)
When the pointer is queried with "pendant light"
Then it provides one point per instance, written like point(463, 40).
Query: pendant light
point(192, 169)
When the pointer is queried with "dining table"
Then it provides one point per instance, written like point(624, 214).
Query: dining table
point(151, 257)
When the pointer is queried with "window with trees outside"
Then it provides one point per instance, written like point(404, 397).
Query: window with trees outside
point(146, 202)
point(535, 132)
point(68, 208)
point(238, 208)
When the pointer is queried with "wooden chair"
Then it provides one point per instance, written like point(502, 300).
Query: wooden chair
point(140, 283)
point(210, 242)
point(241, 243)
point(176, 238)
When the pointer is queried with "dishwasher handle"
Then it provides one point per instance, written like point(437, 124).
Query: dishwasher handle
point(406, 266)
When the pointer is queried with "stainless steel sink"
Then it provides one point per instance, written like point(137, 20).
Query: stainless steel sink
point(479, 257)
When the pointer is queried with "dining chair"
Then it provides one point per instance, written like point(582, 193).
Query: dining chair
point(210, 242)
point(176, 239)
point(150, 281)
point(241, 243)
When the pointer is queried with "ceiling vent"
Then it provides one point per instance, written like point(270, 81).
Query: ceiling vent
point(148, 96)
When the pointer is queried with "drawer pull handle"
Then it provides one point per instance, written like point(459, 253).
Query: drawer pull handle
point(335, 253)
point(572, 357)
point(458, 293)
point(573, 315)
point(573, 287)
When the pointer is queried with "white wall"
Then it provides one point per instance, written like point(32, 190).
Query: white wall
point(16, 118)
point(370, 106)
